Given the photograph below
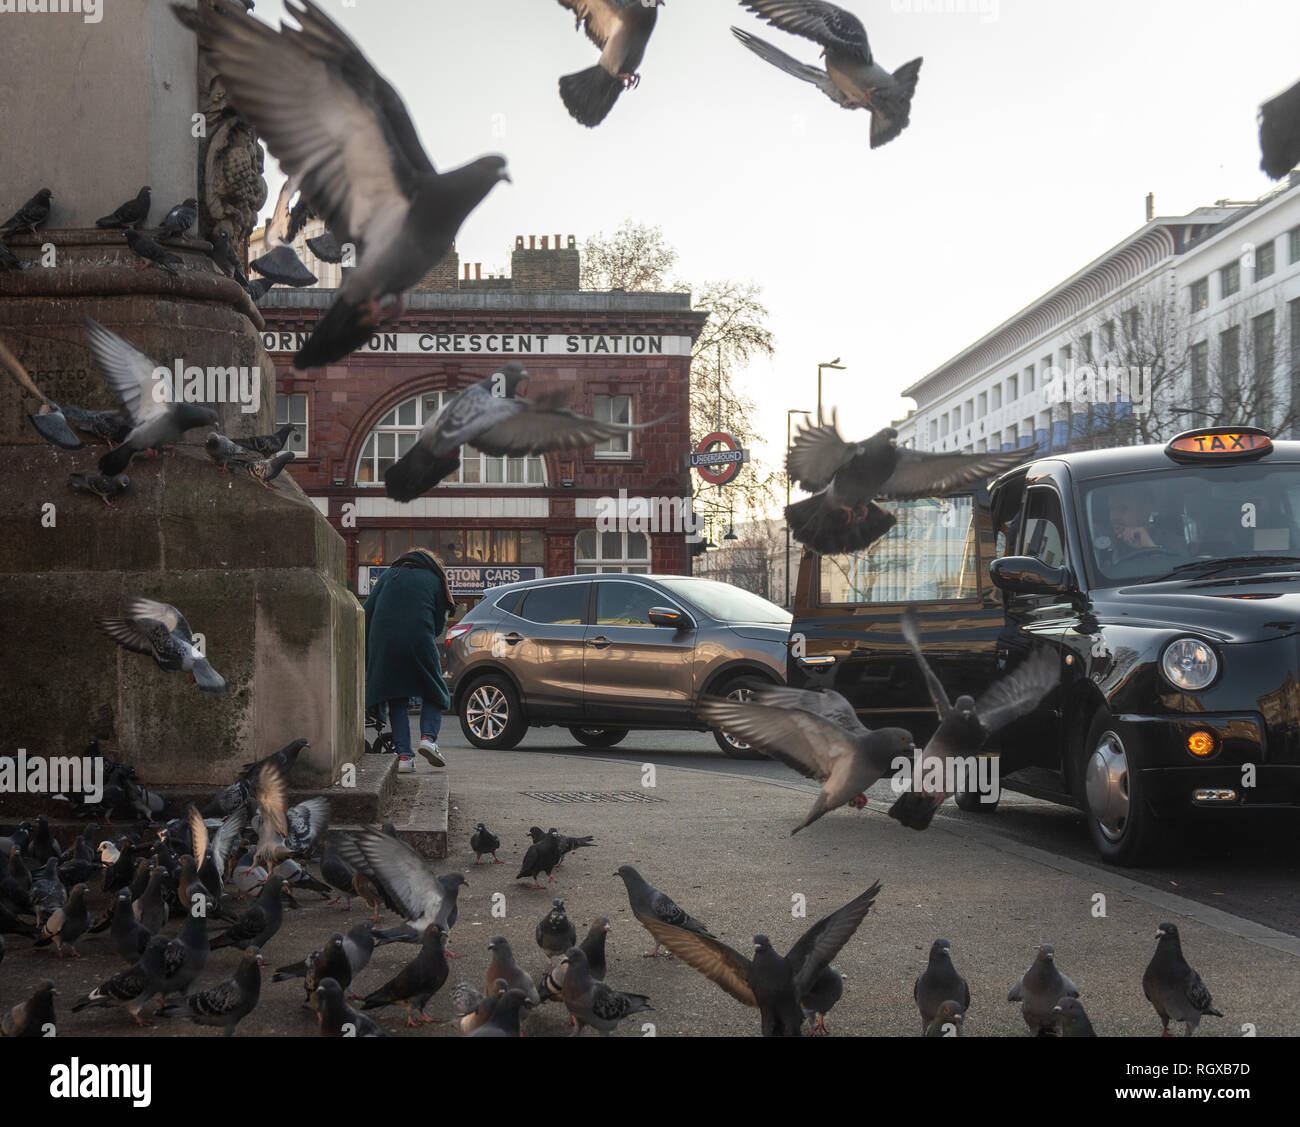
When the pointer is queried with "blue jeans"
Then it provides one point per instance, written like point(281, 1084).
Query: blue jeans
point(430, 723)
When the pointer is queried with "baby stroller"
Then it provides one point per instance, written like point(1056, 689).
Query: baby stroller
point(383, 743)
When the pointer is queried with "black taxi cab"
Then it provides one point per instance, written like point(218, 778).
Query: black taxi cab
point(1167, 578)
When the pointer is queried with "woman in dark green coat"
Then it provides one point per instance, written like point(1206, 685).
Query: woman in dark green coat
point(406, 611)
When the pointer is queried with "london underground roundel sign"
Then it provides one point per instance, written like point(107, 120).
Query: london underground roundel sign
point(719, 458)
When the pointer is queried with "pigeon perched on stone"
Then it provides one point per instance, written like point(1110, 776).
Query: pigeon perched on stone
point(160, 630)
point(1279, 133)
point(179, 220)
point(226, 258)
point(948, 1020)
point(852, 78)
point(9, 260)
point(264, 470)
point(772, 983)
point(155, 423)
point(966, 725)
point(64, 926)
point(267, 445)
point(938, 983)
point(492, 417)
point(541, 857)
point(483, 841)
point(30, 216)
point(110, 427)
point(506, 1016)
point(555, 931)
point(417, 982)
point(817, 734)
point(32, 1018)
point(131, 214)
point(621, 29)
point(1172, 987)
point(1072, 1019)
point(337, 1018)
point(371, 183)
point(152, 252)
point(258, 925)
point(222, 449)
point(502, 965)
point(847, 477)
point(228, 1002)
point(591, 1002)
point(1038, 991)
point(50, 422)
point(650, 905)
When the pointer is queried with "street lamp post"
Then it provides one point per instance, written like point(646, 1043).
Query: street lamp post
point(789, 602)
point(835, 366)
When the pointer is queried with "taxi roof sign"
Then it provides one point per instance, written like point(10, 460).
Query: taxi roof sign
point(1220, 444)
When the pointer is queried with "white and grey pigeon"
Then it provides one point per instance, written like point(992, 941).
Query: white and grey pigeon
point(966, 725)
point(160, 630)
point(1173, 987)
point(342, 132)
point(222, 450)
point(847, 477)
point(852, 78)
point(1039, 990)
point(404, 876)
point(492, 417)
point(285, 831)
point(621, 29)
point(1279, 133)
point(817, 734)
point(154, 422)
point(281, 263)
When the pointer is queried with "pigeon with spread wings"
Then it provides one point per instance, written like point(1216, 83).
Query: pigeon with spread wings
point(1279, 133)
point(852, 78)
point(621, 29)
point(160, 630)
point(343, 134)
point(846, 478)
point(817, 734)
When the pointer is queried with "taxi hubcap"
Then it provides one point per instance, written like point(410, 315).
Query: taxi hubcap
point(1107, 787)
point(487, 712)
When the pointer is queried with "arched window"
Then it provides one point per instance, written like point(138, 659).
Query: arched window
point(595, 552)
point(395, 434)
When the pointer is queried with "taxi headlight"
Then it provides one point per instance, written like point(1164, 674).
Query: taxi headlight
point(1189, 664)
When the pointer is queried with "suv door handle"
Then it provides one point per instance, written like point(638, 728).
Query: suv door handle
point(512, 639)
point(601, 642)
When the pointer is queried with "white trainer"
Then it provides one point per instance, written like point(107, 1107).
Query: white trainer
point(406, 764)
point(429, 749)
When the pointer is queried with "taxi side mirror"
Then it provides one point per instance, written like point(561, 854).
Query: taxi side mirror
point(1024, 575)
point(673, 619)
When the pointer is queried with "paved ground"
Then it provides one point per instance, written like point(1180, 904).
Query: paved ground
point(716, 836)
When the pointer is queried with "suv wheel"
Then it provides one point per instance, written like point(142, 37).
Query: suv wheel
point(598, 737)
point(1123, 828)
point(742, 688)
point(491, 715)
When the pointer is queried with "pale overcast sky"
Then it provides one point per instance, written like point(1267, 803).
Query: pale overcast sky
point(1038, 128)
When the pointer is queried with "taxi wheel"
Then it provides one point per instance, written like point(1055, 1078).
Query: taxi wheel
point(598, 737)
point(491, 715)
point(742, 688)
point(1121, 824)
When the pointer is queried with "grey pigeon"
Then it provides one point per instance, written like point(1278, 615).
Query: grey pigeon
point(145, 247)
point(32, 1017)
point(819, 998)
point(9, 260)
point(283, 265)
point(99, 485)
point(770, 982)
point(337, 1018)
point(133, 986)
point(817, 734)
point(591, 1002)
point(555, 931)
point(258, 288)
point(967, 725)
point(155, 423)
point(111, 427)
point(1172, 987)
point(938, 983)
point(227, 258)
point(42, 845)
point(331, 961)
point(483, 841)
point(30, 216)
point(847, 477)
point(492, 417)
point(264, 470)
point(258, 925)
point(128, 935)
point(649, 905)
point(228, 1002)
point(131, 214)
point(48, 893)
point(222, 449)
point(852, 78)
point(472, 1006)
point(505, 1018)
point(175, 966)
point(64, 926)
point(1279, 133)
point(338, 874)
point(541, 857)
point(327, 248)
point(149, 907)
point(403, 875)
point(1072, 1019)
point(160, 630)
point(502, 966)
point(593, 946)
point(418, 981)
point(948, 1020)
point(1038, 991)
point(371, 182)
point(179, 220)
point(621, 29)
point(286, 759)
point(267, 444)
point(568, 844)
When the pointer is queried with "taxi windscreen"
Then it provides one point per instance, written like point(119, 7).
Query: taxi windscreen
point(1179, 522)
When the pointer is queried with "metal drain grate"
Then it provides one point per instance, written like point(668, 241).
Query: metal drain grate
point(590, 796)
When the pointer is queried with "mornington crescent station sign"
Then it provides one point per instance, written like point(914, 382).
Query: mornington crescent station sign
point(500, 344)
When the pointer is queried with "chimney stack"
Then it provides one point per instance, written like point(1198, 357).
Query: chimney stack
point(1151, 206)
point(478, 271)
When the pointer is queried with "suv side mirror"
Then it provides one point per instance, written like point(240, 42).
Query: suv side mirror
point(674, 619)
point(1024, 575)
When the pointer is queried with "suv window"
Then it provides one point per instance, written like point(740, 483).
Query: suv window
point(625, 604)
point(565, 604)
point(930, 555)
point(1044, 528)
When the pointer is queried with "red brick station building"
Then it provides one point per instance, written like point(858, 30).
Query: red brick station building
point(620, 356)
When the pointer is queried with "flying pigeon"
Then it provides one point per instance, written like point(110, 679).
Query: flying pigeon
point(591, 1002)
point(555, 931)
point(621, 29)
point(267, 444)
point(948, 1020)
point(131, 214)
point(31, 215)
point(403, 875)
point(222, 449)
point(150, 251)
point(160, 630)
point(1072, 1019)
point(541, 857)
point(852, 78)
point(258, 288)
point(485, 841)
point(286, 759)
point(110, 427)
point(230, 1001)
point(286, 831)
point(130, 373)
point(371, 182)
point(49, 421)
point(502, 966)
point(649, 905)
point(845, 477)
point(1172, 987)
point(337, 1018)
point(8, 260)
point(179, 220)
point(1038, 991)
point(492, 417)
point(938, 983)
point(817, 734)
point(966, 726)
point(265, 470)
point(327, 248)
point(281, 263)
point(1279, 133)
point(417, 982)
point(32, 1018)
point(772, 983)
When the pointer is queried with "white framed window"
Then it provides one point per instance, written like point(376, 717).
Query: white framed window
point(292, 409)
point(1230, 279)
point(613, 409)
point(395, 434)
point(1201, 294)
point(611, 553)
point(1265, 260)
